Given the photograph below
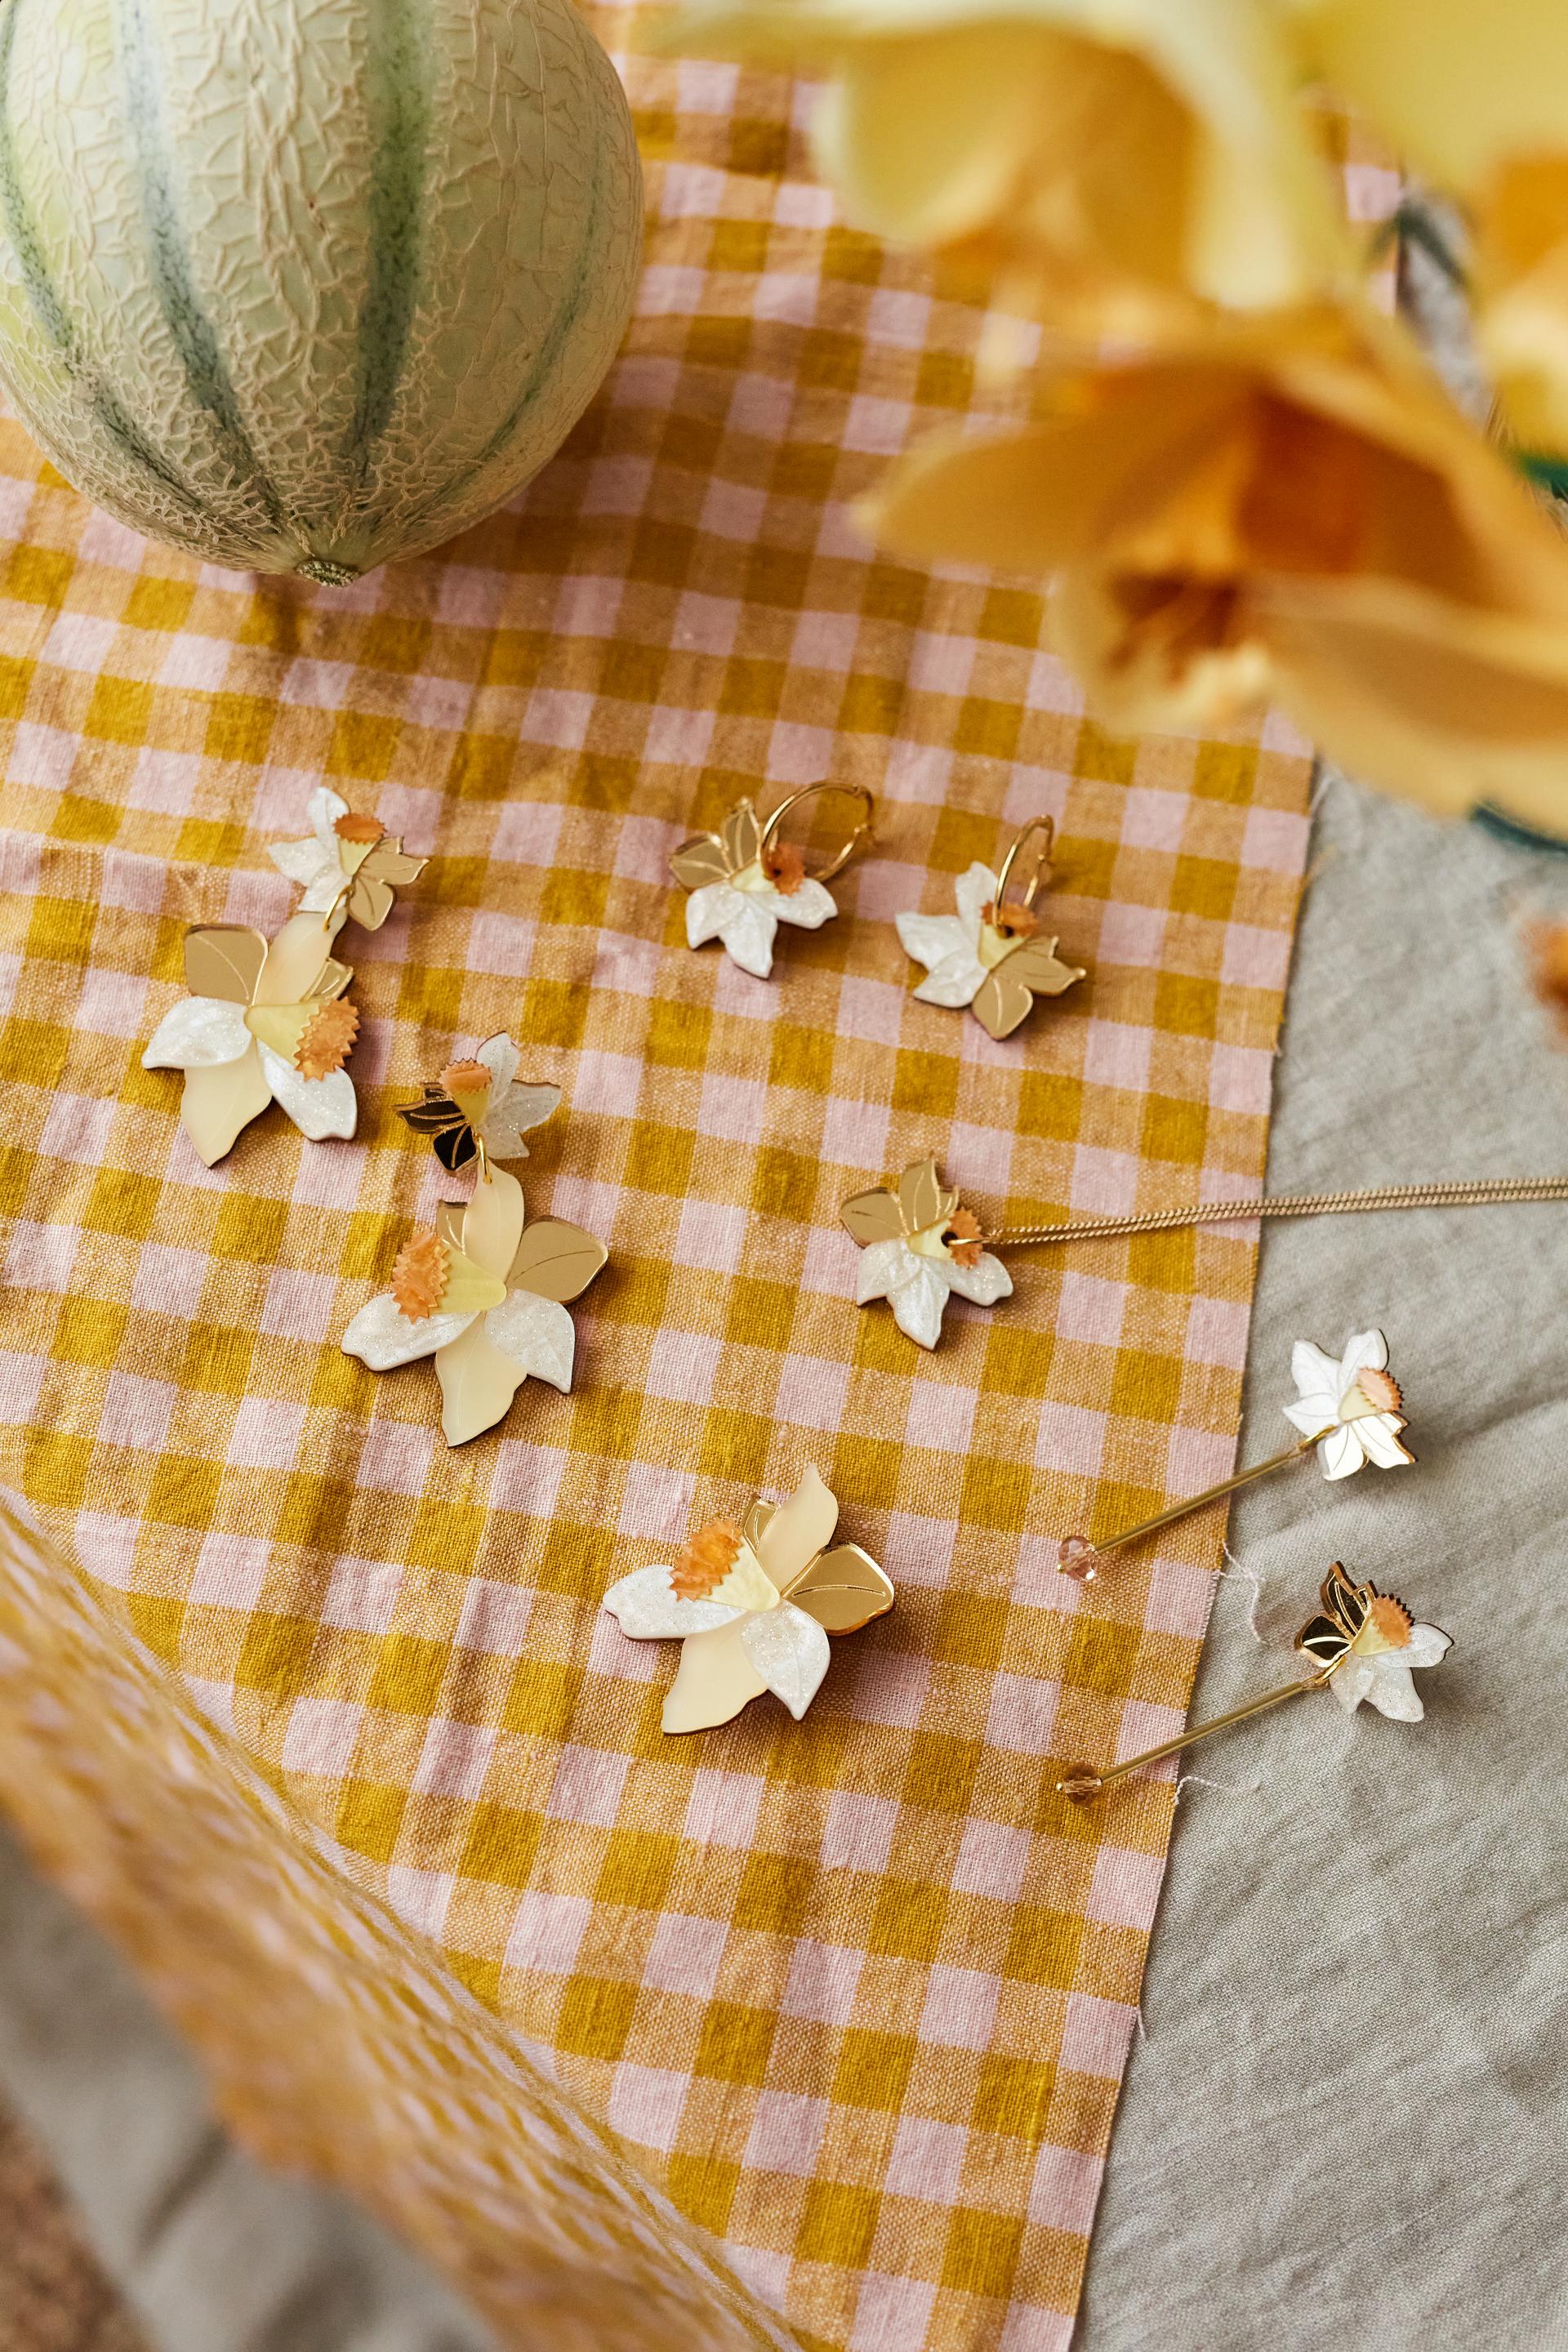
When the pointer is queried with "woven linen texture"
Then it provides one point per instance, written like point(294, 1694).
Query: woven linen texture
point(783, 2034)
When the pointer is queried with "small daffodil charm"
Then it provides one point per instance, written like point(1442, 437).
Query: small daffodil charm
point(990, 955)
point(262, 1023)
point(918, 1247)
point(1352, 1406)
point(486, 1295)
point(475, 1110)
point(350, 869)
point(752, 1607)
point(745, 881)
point(1366, 1643)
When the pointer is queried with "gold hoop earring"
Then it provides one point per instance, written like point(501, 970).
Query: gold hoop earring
point(744, 881)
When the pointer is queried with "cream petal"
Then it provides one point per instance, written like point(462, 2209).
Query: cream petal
point(883, 1266)
point(646, 1610)
point(303, 861)
point(383, 1336)
point(932, 939)
point(807, 907)
point(1366, 1351)
point(323, 895)
point(790, 1651)
point(1392, 1692)
point(748, 934)
point(1379, 1437)
point(1339, 1454)
point(709, 910)
point(500, 1057)
point(518, 1110)
point(974, 891)
point(1351, 1682)
point(984, 1283)
point(1315, 1373)
point(323, 808)
point(1427, 1646)
point(537, 1334)
point(1317, 1410)
point(955, 981)
point(317, 1106)
point(196, 1033)
point(918, 1303)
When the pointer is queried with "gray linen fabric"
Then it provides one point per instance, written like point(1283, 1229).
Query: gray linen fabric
point(1347, 2123)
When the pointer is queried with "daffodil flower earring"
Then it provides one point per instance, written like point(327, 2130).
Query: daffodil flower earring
point(484, 1293)
point(745, 880)
point(752, 1607)
point(1349, 1412)
point(919, 1245)
point(264, 1022)
point(349, 867)
point(990, 956)
point(1363, 1646)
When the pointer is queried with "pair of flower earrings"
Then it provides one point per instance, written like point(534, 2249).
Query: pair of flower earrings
point(483, 1292)
point(746, 879)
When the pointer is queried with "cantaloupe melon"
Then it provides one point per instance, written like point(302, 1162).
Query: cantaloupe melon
point(304, 285)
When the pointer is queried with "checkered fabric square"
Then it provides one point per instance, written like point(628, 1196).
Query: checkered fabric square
point(781, 2034)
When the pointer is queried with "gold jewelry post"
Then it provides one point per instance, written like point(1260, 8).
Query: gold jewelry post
point(1076, 1554)
point(1082, 1780)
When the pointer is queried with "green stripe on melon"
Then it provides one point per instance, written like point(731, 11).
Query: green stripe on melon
point(306, 284)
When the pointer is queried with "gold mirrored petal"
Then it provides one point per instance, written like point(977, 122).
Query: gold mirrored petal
point(699, 861)
point(370, 901)
point(919, 1195)
point(450, 1222)
point(555, 1260)
point(843, 1590)
point(331, 980)
point(872, 1217)
point(224, 961)
point(1003, 1002)
point(390, 863)
point(743, 835)
point(1038, 966)
point(757, 1521)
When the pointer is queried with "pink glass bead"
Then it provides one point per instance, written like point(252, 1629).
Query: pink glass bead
point(1075, 1557)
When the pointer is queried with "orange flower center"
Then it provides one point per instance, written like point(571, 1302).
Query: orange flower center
point(706, 1560)
point(466, 1078)
point(1387, 1626)
point(1549, 952)
point(963, 1238)
point(1013, 922)
point(785, 867)
point(351, 826)
point(1381, 1390)
point(326, 1039)
point(419, 1275)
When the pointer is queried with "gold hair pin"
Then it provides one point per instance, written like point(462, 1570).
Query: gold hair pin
point(746, 879)
point(1349, 1412)
point(484, 1293)
point(349, 867)
point(990, 955)
point(883, 1274)
point(752, 1607)
point(1363, 1646)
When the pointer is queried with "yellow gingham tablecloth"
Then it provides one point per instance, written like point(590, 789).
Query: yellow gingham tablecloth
point(783, 2034)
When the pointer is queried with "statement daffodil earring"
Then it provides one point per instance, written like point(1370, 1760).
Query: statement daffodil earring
point(752, 1607)
point(350, 867)
point(990, 955)
point(746, 879)
point(484, 1293)
point(919, 1245)
point(1363, 1645)
point(1349, 1412)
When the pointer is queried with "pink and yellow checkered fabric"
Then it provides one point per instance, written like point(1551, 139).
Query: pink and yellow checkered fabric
point(785, 2034)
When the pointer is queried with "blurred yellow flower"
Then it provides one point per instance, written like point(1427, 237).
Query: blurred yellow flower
point(1521, 289)
point(1110, 161)
point(1288, 506)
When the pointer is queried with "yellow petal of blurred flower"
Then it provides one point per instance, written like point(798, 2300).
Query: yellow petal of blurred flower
point(1520, 282)
point(1457, 86)
point(1110, 160)
point(1289, 506)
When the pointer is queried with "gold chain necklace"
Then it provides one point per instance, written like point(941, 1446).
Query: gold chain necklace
point(1479, 1192)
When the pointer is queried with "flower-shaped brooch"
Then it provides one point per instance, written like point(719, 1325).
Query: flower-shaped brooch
point(745, 880)
point(350, 869)
point(918, 1246)
point(475, 1111)
point(262, 1023)
point(1352, 1406)
point(990, 955)
point(752, 1607)
point(1366, 1643)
